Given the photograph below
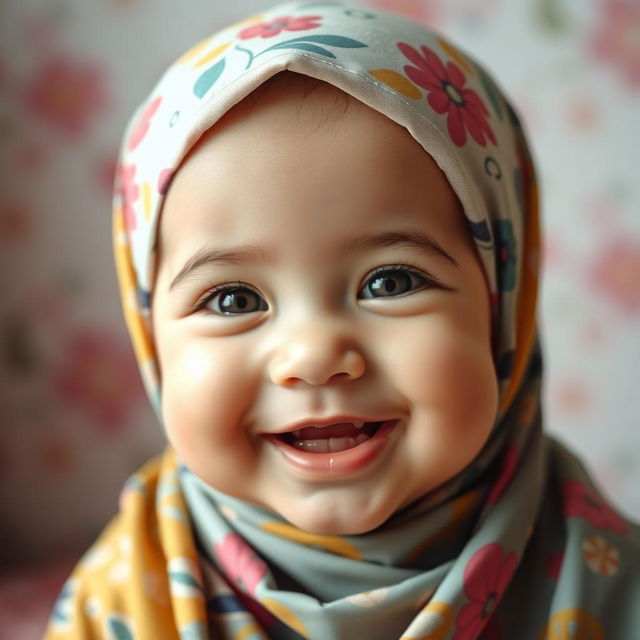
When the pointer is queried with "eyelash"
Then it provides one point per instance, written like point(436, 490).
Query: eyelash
point(407, 268)
point(212, 293)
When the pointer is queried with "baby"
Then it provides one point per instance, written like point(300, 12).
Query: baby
point(326, 235)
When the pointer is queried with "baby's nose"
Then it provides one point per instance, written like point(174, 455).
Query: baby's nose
point(316, 356)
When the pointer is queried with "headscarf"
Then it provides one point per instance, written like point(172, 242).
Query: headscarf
point(517, 545)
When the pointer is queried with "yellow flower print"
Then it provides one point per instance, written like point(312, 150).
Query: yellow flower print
point(432, 623)
point(334, 544)
point(572, 624)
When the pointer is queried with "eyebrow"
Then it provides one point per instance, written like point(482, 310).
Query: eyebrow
point(412, 239)
point(214, 255)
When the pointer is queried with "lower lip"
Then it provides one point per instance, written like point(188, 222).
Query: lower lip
point(337, 463)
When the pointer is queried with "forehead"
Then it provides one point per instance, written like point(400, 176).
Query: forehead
point(299, 144)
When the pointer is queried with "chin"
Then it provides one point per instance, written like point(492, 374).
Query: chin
point(321, 518)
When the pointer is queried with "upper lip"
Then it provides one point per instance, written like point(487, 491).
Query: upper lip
point(324, 422)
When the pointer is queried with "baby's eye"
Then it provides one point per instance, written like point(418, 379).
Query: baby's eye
point(392, 281)
point(233, 300)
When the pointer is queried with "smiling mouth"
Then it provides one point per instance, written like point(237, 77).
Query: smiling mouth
point(330, 438)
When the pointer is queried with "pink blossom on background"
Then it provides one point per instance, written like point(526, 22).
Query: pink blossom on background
point(571, 396)
point(48, 307)
point(56, 456)
point(240, 562)
point(616, 39)
point(600, 209)
point(27, 597)
point(107, 168)
point(99, 375)
point(594, 334)
point(276, 26)
point(614, 273)
point(553, 250)
point(30, 157)
point(426, 11)
point(67, 93)
point(39, 31)
point(448, 94)
point(15, 223)
point(486, 577)
point(4, 75)
point(581, 502)
point(584, 114)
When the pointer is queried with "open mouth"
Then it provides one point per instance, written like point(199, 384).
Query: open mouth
point(330, 438)
point(339, 449)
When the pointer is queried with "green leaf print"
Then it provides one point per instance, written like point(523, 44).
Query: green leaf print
point(310, 42)
point(183, 578)
point(491, 94)
point(330, 41)
point(119, 630)
point(305, 46)
point(208, 78)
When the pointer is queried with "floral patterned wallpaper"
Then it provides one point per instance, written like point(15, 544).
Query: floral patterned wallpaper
point(74, 421)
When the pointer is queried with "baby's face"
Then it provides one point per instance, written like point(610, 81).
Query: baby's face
point(313, 277)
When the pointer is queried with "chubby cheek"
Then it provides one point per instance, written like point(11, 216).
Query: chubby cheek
point(450, 382)
point(204, 399)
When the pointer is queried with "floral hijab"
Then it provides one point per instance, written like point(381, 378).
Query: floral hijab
point(519, 545)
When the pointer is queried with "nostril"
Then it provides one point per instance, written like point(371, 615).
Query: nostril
point(339, 377)
point(315, 362)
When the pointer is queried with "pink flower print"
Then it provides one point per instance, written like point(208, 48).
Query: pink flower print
point(447, 94)
point(615, 274)
point(99, 375)
point(581, 502)
point(276, 26)
point(67, 93)
point(240, 563)
point(616, 38)
point(486, 577)
point(509, 464)
point(143, 122)
point(129, 191)
point(493, 630)
point(164, 180)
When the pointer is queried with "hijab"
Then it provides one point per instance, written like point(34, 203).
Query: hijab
point(518, 545)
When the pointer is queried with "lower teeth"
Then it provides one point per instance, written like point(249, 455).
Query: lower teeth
point(330, 445)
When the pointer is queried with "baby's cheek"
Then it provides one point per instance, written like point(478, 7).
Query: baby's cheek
point(202, 396)
point(204, 401)
point(452, 376)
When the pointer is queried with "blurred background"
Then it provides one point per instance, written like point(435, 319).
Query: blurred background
point(74, 421)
